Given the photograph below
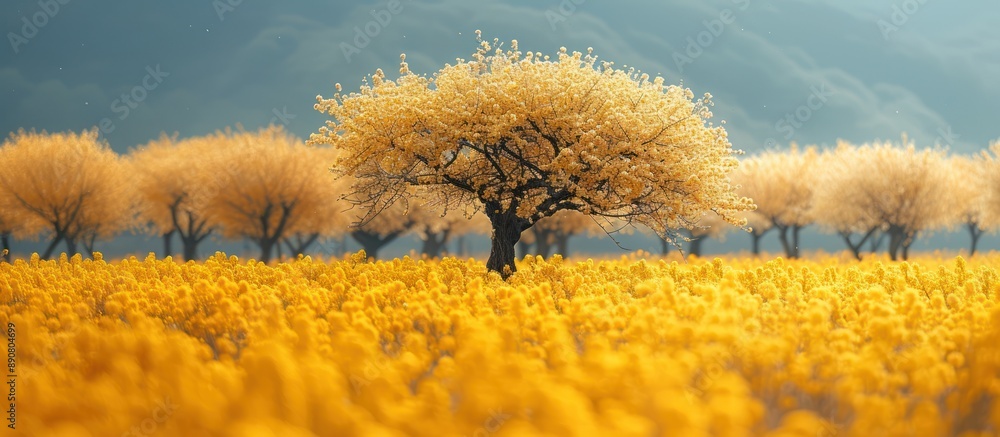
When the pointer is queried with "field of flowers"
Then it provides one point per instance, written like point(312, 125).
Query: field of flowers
point(627, 347)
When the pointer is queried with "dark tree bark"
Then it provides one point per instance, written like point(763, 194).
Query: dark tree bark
point(507, 228)
point(523, 248)
point(195, 231)
point(791, 247)
point(974, 233)
point(856, 247)
point(694, 247)
point(664, 246)
point(52, 245)
point(88, 243)
point(168, 239)
point(543, 242)
point(269, 238)
point(895, 242)
point(372, 242)
point(755, 243)
point(434, 243)
point(562, 243)
point(5, 246)
point(460, 248)
point(71, 247)
point(301, 243)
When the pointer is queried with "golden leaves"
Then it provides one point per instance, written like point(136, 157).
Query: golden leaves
point(512, 125)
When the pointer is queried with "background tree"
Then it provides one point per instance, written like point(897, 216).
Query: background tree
point(269, 182)
point(527, 136)
point(969, 178)
point(436, 229)
point(73, 183)
point(326, 218)
point(781, 184)
point(377, 231)
point(176, 181)
point(893, 188)
point(835, 195)
point(709, 227)
point(14, 223)
point(553, 232)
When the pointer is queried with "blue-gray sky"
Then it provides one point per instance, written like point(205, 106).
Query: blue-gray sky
point(780, 70)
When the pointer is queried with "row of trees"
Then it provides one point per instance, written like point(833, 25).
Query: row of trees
point(871, 193)
point(266, 186)
point(273, 189)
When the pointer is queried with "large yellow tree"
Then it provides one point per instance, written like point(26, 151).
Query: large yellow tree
point(526, 136)
point(73, 183)
point(272, 186)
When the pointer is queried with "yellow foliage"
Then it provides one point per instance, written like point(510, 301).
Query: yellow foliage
point(442, 348)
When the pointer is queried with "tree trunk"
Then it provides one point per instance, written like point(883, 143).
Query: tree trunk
point(460, 248)
point(876, 241)
point(785, 244)
point(562, 243)
point(795, 240)
point(88, 244)
point(974, 232)
point(371, 242)
point(522, 249)
point(71, 247)
point(895, 242)
point(434, 243)
point(301, 243)
point(507, 229)
point(266, 248)
point(694, 248)
point(664, 246)
point(755, 245)
point(168, 238)
point(52, 245)
point(908, 240)
point(543, 246)
point(5, 246)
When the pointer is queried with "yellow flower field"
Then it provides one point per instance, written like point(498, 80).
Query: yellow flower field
point(439, 348)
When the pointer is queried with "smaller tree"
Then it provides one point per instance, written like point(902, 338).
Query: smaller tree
point(73, 183)
point(781, 184)
point(383, 228)
point(176, 181)
point(14, 223)
point(553, 233)
point(896, 188)
point(969, 177)
point(435, 229)
point(709, 227)
point(269, 184)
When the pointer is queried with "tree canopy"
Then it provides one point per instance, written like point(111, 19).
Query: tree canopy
point(523, 136)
